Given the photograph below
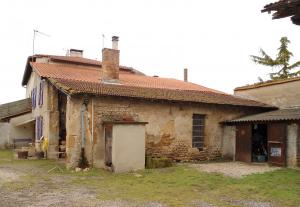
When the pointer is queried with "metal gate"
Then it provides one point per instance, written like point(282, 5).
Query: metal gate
point(277, 144)
point(243, 143)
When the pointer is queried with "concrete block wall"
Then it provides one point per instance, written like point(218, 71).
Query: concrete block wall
point(292, 139)
point(229, 142)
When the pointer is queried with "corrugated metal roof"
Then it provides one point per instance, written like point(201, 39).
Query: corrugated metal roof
point(278, 115)
point(15, 108)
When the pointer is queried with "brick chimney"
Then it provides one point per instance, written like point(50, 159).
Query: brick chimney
point(75, 53)
point(110, 62)
point(185, 75)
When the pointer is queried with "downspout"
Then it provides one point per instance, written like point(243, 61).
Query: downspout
point(92, 137)
point(83, 109)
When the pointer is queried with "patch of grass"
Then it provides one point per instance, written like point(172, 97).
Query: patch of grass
point(175, 186)
point(179, 185)
point(6, 155)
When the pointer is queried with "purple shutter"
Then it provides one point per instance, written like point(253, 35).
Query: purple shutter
point(41, 126)
point(35, 92)
point(41, 93)
point(33, 98)
point(32, 105)
point(37, 127)
point(39, 98)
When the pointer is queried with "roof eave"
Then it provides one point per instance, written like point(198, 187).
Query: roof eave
point(27, 71)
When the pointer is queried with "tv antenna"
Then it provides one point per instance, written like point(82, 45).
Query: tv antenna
point(103, 38)
point(35, 33)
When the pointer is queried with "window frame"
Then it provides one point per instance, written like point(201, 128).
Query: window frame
point(198, 131)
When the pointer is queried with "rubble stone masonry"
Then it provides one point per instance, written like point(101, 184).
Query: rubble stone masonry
point(168, 132)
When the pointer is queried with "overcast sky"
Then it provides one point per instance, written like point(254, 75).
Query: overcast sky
point(213, 39)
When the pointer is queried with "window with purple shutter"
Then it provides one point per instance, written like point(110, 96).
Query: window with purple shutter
point(41, 126)
point(33, 97)
point(41, 93)
point(38, 127)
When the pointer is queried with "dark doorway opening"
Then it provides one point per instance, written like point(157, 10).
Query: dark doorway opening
point(62, 106)
point(259, 143)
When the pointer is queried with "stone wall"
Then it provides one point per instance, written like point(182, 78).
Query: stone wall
point(168, 132)
point(281, 95)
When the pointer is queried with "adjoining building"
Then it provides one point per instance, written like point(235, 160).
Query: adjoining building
point(273, 136)
point(16, 124)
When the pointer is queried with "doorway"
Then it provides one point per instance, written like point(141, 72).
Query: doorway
point(259, 143)
point(108, 145)
point(252, 142)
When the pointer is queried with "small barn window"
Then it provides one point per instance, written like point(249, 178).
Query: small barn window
point(198, 131)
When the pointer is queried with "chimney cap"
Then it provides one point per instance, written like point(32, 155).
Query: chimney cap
point(115, 38)
point(75, 50)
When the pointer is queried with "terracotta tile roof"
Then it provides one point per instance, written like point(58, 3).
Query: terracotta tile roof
point(277, 115)
point(93, 75)
point(80, 61)
point(15, 108)
point(80, 80)
point(67, 60)
point(82, 87)
point(267, 83)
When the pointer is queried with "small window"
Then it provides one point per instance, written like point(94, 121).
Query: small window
point(198, 131)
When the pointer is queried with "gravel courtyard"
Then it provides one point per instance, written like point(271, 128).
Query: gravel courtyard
point(234, 169)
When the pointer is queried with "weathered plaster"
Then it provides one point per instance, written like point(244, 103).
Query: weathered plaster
point(229, 141)
point(281, 95)
point(128, 147)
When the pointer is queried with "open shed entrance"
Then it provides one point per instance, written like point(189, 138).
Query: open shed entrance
point(259, 143)
point(256, 142)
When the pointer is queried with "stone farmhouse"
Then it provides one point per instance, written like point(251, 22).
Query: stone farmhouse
point(116, 115)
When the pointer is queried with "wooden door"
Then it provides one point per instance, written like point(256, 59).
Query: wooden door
point(277, 144)
point(243, 143)
point(108, 145)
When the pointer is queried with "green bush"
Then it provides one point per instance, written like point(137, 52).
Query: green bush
point(158, 162)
